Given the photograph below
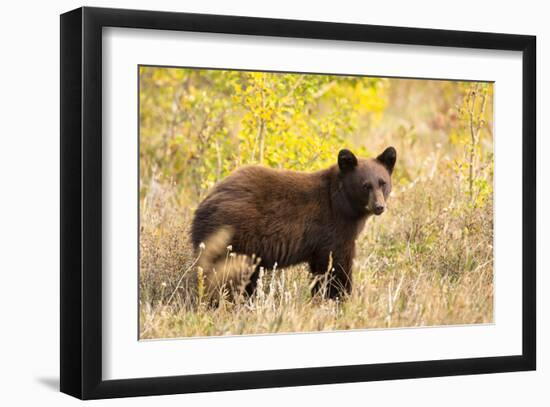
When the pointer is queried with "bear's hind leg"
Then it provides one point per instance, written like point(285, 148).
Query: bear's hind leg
point(250, 288)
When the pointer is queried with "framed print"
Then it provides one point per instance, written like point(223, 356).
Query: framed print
point(250, 202)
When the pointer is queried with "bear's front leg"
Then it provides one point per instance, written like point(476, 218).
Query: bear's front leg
point(332, 273)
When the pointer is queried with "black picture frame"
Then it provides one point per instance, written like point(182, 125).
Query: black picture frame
point(81, 202)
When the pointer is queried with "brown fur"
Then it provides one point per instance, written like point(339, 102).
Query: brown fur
point(288, 217)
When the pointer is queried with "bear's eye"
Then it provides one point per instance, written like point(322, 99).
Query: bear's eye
point(367, 186)
point(381, 183)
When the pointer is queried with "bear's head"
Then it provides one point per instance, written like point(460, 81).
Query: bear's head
point(366, 183)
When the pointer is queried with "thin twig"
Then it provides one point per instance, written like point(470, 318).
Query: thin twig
point(182, 276)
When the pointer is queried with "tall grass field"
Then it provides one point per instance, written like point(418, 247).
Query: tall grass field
point(427, 261)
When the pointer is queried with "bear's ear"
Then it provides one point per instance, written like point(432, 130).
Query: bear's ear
point(387, 158)
point(346, 160)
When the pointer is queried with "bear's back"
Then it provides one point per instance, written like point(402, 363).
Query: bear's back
point(265, 188)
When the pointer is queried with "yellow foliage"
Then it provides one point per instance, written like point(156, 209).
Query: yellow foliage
point(197, 125)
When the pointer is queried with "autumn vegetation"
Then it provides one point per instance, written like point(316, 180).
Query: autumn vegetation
point(427, 261)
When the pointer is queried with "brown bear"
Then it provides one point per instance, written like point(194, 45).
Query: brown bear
point(283, 218)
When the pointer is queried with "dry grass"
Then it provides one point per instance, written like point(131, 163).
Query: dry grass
point(427, 261)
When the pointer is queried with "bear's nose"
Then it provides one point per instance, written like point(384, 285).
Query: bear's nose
point(378, 209)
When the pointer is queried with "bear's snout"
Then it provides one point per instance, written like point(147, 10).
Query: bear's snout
point(378, 209)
